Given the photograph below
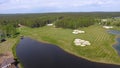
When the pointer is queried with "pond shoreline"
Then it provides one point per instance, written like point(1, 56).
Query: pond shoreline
point(116, 33)
point(72, 53)
point(116, 44)
point(14, 53)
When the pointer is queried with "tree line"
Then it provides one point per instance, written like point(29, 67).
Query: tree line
point(9, 22)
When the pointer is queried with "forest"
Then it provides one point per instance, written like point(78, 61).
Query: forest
point(9, 22)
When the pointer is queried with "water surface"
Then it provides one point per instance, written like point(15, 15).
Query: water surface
point(34, 54)
point(117, 45)
point(115, 32)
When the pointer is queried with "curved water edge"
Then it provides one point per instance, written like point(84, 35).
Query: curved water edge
point(116, 46)
point(34, 54)
point(115, 32)
point(17, 63)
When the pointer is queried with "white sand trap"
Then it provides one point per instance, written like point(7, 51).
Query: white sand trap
point(104, 20)
point(49, 24)
point(78, 31)
point(107, 27)
point(80, 42)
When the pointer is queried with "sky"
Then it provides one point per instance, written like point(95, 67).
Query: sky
point(46, 6)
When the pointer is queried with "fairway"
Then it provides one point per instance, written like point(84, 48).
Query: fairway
point(100, 50)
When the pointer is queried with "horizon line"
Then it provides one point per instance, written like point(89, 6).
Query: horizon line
point(63, 12)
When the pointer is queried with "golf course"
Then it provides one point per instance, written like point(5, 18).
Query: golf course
point(100, 50)
point(84, 35)
point(59, 34)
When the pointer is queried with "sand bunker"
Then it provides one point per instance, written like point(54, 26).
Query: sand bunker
point(80, 42)
point(107, 27)
point(78, 31)
point(49, 24)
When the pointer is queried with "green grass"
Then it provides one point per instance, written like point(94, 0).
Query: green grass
point(101, 49)
point(7, 45)
point(20, 65)
point(14, 47)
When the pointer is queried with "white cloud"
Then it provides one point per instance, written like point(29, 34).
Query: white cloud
point(59, 4)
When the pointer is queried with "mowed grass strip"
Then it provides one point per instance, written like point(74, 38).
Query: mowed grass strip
point(7, 45)
point(101, 49)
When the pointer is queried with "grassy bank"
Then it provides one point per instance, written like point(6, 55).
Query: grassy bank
point(14, 48)
point(7, 45)
point(101, 49)
point(15, 54)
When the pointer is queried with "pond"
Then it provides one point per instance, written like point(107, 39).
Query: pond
point(115, 32)
point(34, 54)
point(117, 45)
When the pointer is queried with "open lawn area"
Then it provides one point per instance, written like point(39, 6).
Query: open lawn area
point(100, 50)
point(7, 45)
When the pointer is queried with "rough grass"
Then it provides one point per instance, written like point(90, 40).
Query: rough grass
point(101, 49)
point(7, 45)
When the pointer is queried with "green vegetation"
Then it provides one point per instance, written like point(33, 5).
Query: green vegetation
point(101, 49)
point(14, 51)
point(14, 47)
point(7, 45)
point(74, 22)
point(33, 25)
point(111, 21)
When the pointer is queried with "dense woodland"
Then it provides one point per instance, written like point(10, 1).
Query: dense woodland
point(9, 22)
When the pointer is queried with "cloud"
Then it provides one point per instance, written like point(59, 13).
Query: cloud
point(3, 1)
point(58, 5)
